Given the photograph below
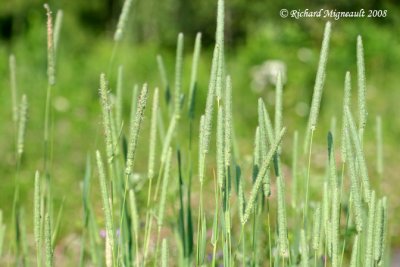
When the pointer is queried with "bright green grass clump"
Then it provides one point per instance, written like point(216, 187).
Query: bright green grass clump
point(229, 212)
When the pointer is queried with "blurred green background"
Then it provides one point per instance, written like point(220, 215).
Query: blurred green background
point(254, 33)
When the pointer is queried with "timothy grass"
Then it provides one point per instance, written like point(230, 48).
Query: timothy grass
point(239, 220)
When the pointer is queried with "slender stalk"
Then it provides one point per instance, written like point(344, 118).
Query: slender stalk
point(14, 89)
point(164, 78)
point(21, 126)
point(47, 238)
point(161, 207)
point(278, 106)
point(318, 86)
point(359, 155)
point(219, 40)
point(305, 209)
point(354, 254)
point(282, 221)
point(123, 18)
point(346, 103)
point(193, 75)
point(304, 249)
point(36, 218)
point(164, 253)
point(264, 167)
point(362, 110)
point(178, 75)
point(215, 229)
point(110, 241)
point(333, 184)
point(369, 251)
point(294, 169)
point(119, 97)
point(135, 223)
point(57, 29)
point(135, 127)
point(355, 194)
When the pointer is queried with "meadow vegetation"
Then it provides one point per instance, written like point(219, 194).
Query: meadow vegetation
point(191, 169)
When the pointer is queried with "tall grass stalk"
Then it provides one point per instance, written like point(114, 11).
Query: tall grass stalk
point(325, 213)
point(204, 140)
point(354, 253)
point(219, 40)
point(278, 106)
point(110, 241)
point(22, 125)
point(263, 169)
point(318, 86)
point(151, 161)
point(359, 155)
point(164, 188)
point(47, 136)
point(164, 78)
point(119, 97)
point(378, 234)
point(178, 75)
point(135, 223)
point(362, 109)
point(14, 89)
point(369, 249)
point(282, 220)
point(334, 190)
point(50, 84)
point(193, 74)
point(36, 217)
point(164, 253)
point(355, 194)
point(227, 157)
point(200, 149)
point(167, 143)
point(316, 237)
point(261, 145)
point(315, 105)
point(294, 169)
point(266, 138)
point(220, 149)
point(119, 31)
point(168, 138)
point(200, 237)
point(268, 125)
point(228, 122)
point(47, 238)
point(153, 138)
point(215, 227)
point(106, 115)
point(384, 239)
point(123, 18)
point(346, 103)
point(335, 226)
point(50, 47)
point(304, 249)
point(57, 29)
point(135, 126)
point(210, 103)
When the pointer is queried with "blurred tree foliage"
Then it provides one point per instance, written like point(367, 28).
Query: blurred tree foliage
point(159, 21)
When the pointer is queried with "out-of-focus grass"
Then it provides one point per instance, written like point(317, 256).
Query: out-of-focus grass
point(81, 57)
